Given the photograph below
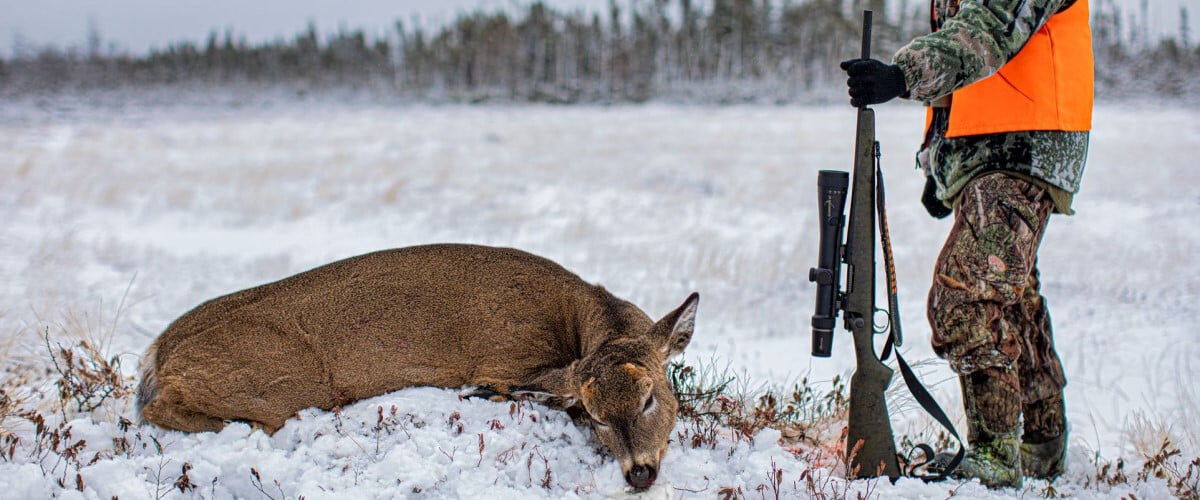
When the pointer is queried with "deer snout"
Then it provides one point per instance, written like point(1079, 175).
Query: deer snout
point(641, 476)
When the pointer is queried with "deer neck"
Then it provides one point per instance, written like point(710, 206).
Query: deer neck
point(605, 318)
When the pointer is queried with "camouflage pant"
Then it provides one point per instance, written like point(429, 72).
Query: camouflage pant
point(986, 310)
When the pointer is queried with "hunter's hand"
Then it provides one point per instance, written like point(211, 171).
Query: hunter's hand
point(873, 82)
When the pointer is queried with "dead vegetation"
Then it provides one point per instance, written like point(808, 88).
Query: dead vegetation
point(85, 380)
point(85, 377)
point(715, 409)
point(14, 394)
point(257, 481)
point(1167, 464)
point(711, 402)
point(713, 406)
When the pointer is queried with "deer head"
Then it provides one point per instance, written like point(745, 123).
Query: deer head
point(623, 386)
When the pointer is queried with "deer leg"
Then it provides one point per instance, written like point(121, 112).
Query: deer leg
point(169, 410)
point(265, 427)
point(553, 387)
point(539, 395)
point(488, 392)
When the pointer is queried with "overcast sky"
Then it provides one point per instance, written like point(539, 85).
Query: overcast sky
point(138, 25)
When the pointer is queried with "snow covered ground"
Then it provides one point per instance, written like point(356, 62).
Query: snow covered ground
point(118, 219)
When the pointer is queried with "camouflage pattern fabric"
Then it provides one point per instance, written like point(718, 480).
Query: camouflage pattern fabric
point(985, 307)
point(1044, 444)
point(973, 40)
point(1052, 158)
point(992, 399)
point(990, 322)
point(1045, 419)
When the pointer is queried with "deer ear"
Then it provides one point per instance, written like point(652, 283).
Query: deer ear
point(674, 331)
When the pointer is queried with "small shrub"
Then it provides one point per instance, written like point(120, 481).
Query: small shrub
point(1167, 464)
point(1183, 477)
point(85, 378)
point(708, 402)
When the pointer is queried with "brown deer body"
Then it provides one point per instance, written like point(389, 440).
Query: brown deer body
point(437, 315)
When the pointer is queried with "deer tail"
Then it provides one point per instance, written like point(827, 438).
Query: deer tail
point(148, 386)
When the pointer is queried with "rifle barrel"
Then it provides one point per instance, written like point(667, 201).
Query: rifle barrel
point(866, 41)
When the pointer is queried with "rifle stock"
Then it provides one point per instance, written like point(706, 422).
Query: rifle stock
point(869, 421)
point(869, 440)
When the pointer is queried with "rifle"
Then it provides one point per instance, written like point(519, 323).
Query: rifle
point(870, 444)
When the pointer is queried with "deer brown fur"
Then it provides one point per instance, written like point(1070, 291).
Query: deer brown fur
point(437, 315)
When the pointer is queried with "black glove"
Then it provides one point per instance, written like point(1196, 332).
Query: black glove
point(873, 82)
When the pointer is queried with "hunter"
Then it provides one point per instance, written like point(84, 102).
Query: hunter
point(1009, 86)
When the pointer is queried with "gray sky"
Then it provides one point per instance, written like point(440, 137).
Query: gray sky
point(138, 25)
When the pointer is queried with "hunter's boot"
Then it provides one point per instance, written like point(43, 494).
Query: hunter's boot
point(993, 407)
point(1044, 443)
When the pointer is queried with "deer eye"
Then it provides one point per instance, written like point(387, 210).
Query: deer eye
point(649, 404)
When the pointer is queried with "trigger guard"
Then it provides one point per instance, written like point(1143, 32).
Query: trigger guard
point(878, 328)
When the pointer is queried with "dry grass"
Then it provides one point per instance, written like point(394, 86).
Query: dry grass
point(85, 381)
point(74, 372)
point(12, 397)
point(713, 403)
point(1182, 475)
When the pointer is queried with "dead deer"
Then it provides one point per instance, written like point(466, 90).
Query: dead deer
point(503, 321)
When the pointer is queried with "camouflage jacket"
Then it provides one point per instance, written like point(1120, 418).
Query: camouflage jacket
point(972, 40)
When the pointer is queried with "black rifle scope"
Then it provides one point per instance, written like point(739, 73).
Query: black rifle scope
point(832, 186)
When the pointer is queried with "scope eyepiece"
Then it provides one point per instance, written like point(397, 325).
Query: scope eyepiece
point(822, 340)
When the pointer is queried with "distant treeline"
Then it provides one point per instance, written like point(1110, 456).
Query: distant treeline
point(709, 51)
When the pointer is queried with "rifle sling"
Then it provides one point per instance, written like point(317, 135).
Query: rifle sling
point(895, 339)
point(921, 394)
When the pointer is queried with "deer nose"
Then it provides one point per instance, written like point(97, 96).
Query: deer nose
point(641, 476)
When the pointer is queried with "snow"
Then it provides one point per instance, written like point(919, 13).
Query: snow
point(180, 203)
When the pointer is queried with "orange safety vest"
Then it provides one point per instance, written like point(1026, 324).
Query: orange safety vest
point(1049, 85)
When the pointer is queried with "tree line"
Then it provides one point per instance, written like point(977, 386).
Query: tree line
point(707, 51)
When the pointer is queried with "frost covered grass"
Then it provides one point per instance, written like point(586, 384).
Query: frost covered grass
point(119, 219)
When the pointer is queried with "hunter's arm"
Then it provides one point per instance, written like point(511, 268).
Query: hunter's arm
point(972, 45)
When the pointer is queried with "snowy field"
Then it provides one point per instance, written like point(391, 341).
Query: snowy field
point(116, 220)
